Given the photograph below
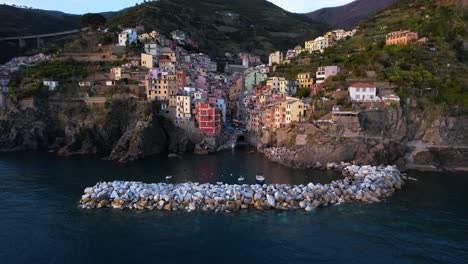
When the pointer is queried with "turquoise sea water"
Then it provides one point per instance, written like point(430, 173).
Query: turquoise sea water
point(40, 221)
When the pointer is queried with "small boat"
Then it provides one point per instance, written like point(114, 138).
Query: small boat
point(241, 178)
point(168, 177)
point(219, 183)
point(260, 179)
point(252, 152)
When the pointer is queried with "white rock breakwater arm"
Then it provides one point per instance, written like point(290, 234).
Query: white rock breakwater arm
point(361, 183)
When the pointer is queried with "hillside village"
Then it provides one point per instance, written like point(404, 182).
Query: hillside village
point(324, 82)
point(190, 91)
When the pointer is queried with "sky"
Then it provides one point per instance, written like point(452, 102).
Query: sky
point(90, 6)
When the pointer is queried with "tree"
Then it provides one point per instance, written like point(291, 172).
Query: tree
point(303, 92)
point(93, 21)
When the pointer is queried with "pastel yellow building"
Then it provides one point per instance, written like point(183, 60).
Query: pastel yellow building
point(296, 111)
point(305, 80)
point(147, 61)
point(158, 89)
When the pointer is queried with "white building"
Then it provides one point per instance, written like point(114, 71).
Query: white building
point(275, 83)
point(86, 83)
point(51, 84)
point(339, 34)
point(183, 107)
point(128, 36)
point(363, 92)
point(221, 104)
point(318, 44)
point(326, 71)
point(178, 35)
point(275, 58)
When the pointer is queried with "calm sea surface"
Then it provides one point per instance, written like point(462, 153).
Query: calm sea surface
point(40, 221)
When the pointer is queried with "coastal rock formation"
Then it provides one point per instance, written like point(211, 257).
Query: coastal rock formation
point(124, 130)
point(361, 183)
point(424, 140)
point(22, 130)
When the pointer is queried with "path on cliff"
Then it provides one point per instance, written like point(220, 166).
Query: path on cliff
point(414, 143)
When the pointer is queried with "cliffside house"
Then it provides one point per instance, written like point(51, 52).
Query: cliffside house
point(363, 92)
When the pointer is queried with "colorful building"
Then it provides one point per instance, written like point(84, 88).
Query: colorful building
point(159, 84)
point(183, 107)
point(166, 64)
point(275, 58)
point(127, 37)
point(296, 111)
point(209, 117)
point(318, 44)
point(326, 71)
point(181, 79)
point(363, 92)
point(148, 61)
point(305, 80)
point(401, 37)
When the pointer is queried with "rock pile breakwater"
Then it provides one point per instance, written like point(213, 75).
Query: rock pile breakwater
point(360, 183)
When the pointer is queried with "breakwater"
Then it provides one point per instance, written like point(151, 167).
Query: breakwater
point(360, 183)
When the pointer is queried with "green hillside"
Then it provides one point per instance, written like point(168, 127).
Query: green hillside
point(436, 70)
point(20, 21)
point(224, 26)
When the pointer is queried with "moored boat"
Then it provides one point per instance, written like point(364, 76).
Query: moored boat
point(168, 177)
point(260, 178)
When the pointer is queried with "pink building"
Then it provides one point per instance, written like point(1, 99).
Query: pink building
point(200, 82)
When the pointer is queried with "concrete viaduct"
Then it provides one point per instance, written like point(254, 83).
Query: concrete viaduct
point(39, 38)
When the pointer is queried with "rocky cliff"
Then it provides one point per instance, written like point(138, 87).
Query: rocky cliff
point(123, 130)
point(428, 139)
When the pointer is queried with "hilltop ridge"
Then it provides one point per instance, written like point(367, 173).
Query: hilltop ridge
point(220, 26)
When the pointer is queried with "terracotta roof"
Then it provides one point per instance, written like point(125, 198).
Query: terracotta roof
point(363, 85)
point(164, 57)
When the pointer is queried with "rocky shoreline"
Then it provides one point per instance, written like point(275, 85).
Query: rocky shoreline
point(366, 184)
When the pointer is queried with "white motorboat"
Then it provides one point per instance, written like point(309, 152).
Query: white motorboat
point(260, 179)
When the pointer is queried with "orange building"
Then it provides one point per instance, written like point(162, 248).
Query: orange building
point(401, 37)
point(181, 79)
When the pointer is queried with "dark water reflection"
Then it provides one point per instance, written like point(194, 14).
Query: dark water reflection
point(40, 221)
